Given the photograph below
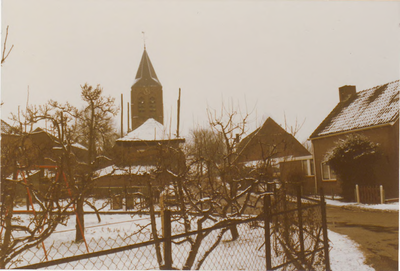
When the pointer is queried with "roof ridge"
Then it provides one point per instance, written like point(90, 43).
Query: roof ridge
point(378, 86)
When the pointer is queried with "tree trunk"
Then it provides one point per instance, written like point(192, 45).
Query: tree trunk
point(80, 223)
point(234, 232)
point(9, 191)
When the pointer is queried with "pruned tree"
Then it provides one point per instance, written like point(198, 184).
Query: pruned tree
point(353, 160)
point(211, 187)
point(94, 129)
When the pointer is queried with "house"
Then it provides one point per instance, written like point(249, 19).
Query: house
point(283, 151)
point(139, 158)
point(142, 146)
point(34, 156)
point(373, 113)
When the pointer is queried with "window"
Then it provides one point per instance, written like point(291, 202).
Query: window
point(304, 166)
point(141, 104)
point(327, 172)
point(308, 167)
point(312, 169)
point(152, 104)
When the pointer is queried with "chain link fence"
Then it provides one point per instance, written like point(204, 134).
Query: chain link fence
point(289, 233)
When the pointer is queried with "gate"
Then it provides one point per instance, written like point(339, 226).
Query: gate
point(370, 194)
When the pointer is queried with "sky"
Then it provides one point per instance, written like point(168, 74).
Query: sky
point(268, 58)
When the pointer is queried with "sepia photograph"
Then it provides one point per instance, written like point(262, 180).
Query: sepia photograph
point(188, 135)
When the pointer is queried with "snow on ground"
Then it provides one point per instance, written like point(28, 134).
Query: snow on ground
point(111, 231)
point(393, 206)
point(345, 254)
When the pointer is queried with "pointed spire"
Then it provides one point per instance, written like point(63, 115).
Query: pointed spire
point(146, 75)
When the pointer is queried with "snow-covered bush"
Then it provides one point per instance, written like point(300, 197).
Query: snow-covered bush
point(353, 160)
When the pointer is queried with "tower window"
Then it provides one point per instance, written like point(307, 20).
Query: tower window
point(141, 104)
point(152, 104)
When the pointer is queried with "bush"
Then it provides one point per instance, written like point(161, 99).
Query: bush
point(353, 160)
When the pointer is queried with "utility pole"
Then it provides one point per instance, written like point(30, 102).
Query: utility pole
point(179, 113)
point(128, 118)
point(122, 115)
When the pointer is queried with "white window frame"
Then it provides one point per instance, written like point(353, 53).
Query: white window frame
point(307, 170)
point(331, 173)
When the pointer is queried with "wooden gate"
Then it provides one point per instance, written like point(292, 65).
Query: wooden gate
point(370, 194)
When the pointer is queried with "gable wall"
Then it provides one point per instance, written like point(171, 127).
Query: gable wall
point(260, 146)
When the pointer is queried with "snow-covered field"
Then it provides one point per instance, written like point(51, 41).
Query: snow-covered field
point(117, 230)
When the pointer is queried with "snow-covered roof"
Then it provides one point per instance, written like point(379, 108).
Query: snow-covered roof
point(113, 170)
point(375, 106)
point(150, 130)
point(79, 146)
point(25, 173)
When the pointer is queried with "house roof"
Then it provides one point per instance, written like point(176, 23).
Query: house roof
point(114, 170)
point(368, 108)
point(146, 75)
point(7, 128)
point(150, 130)
point(269, 139)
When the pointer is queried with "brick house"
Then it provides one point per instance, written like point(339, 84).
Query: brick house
point(285, 153)
point(373, 113)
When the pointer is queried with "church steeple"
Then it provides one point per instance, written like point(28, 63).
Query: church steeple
point(146, 75)
point(146, 94)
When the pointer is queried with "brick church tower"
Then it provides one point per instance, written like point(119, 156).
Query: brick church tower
point(146, 94)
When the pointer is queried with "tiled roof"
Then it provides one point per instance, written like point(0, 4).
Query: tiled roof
point(375, 106)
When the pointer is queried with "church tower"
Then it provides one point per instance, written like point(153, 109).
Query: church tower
point(146, 94)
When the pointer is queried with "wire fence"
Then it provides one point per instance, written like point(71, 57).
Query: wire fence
point(289, 233)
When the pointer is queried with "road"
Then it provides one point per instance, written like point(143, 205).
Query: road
point(377, 232)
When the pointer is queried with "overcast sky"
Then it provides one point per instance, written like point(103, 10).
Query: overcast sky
point(276, 57)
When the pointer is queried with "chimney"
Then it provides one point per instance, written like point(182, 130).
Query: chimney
point(346, 92)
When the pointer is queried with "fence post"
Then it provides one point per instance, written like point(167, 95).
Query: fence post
point(300, 217)
point(285, 217)
point(357, 194)
point(382, 194)
point(325, 230)
point(267, 219)
point(167, 239)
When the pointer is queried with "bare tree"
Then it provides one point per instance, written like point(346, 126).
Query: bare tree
point(4, 54)
point(20, 155)
point(95, 129)
point(211, 186)
point(293, 129)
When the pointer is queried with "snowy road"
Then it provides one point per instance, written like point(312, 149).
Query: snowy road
point(375, 231)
